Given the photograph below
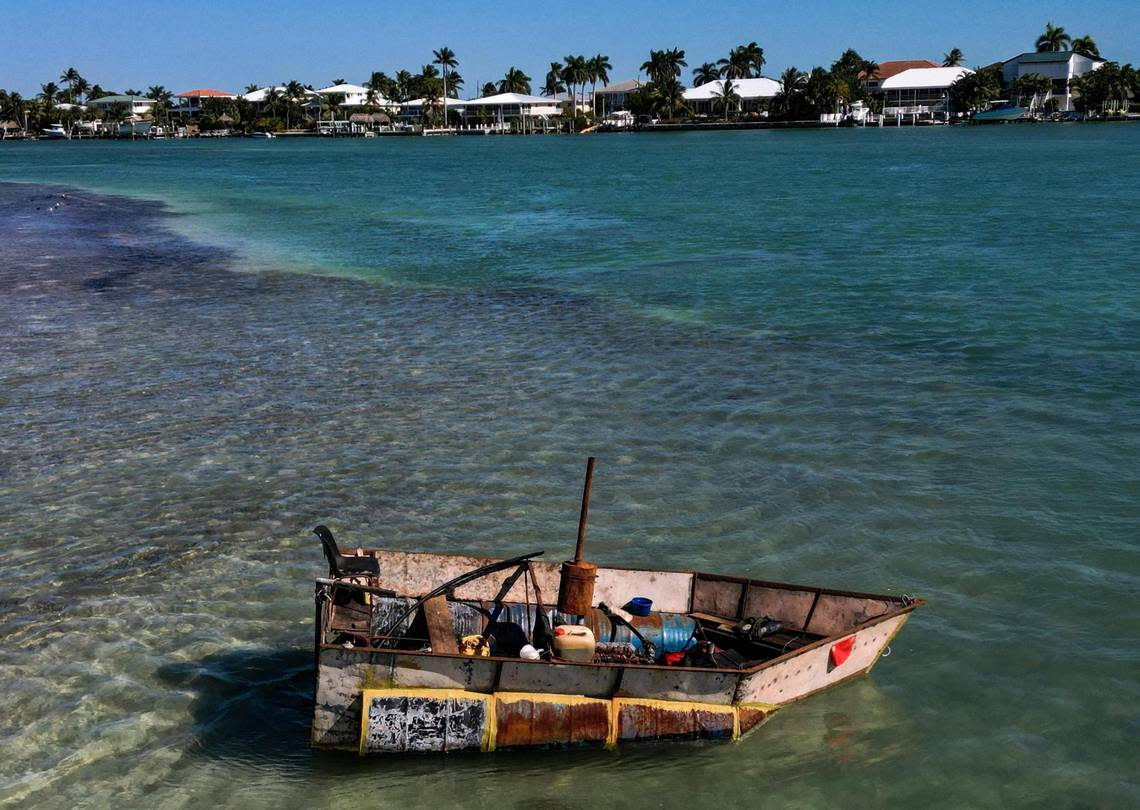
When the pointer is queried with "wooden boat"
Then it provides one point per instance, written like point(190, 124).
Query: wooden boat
point(375, 696)
point(390, 676)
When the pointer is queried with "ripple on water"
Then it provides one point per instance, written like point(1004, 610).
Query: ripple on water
point(173, 430)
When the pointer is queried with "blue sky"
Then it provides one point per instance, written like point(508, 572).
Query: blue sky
point(182, 45)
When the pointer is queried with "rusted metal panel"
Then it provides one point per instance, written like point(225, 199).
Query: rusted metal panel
point(717, 597)
point(788, 606)
point(424, 720)
point(835, 613)
point(473, 674)
point(558, 679)
point(411, 573)
point(656, 720)
point(749, 717)
point(811, 670)
point(667, 683)
point(528, 720)
point(341, 676)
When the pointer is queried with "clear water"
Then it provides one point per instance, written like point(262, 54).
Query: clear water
point(901, 360)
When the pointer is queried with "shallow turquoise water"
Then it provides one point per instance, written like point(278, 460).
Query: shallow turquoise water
point(900, 360)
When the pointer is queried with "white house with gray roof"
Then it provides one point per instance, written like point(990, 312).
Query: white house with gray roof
point(1059, 66)
point(135, 105)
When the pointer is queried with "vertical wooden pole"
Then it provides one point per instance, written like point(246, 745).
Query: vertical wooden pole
point(582, 518)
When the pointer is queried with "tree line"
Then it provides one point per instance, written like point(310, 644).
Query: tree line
point(803, 95)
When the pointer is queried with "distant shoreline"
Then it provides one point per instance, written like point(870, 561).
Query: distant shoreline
point(686, 126)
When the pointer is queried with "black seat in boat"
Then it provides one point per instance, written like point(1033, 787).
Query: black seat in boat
point(341, 565)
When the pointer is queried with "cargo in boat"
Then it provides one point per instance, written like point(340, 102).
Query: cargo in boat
point(713, 658)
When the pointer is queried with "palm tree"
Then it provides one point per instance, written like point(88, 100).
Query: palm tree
point(372, 100)
point(16, 108)
point(654, 66)
point(455, 85)
point(384, 86)
point(755, 57)
point(428, 75)
point(489, 89)
point(433, 98)
point(553, 84)
point(708, 72)
point(80, 87)
point(329, 104)
point(738, 65)
point(163, 98)
point(294, 94)
point(599, 68)
point(1121, 80)
point(445, 58)
point(69, 78)
point(117, 113)
point(515, 81)
point(1033, 85)
point(575, 73)
point(792, 82)
point(403, 85)
point(675, 61)
point(668, 95)
point(820, 91)
point(1087, 46)
point(49, 94)
point(726, 96)
point(1054, 39)
point(954, 58)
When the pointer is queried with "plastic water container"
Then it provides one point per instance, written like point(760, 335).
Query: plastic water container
point(574, 642)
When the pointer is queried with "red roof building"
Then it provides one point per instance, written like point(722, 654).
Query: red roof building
point(895, 67)
point(190, 101)
point(205, 93)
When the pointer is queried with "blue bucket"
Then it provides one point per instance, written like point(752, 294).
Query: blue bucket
point(640, 606)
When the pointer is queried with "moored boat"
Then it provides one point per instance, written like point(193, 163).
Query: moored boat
point(420, 651)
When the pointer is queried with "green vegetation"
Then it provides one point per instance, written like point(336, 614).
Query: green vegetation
point(1029, 87)
point(515, 81)
point(727, 97)
point(1087, 46)
point(975, 91)
point(1054, 39)
point(1108, 89)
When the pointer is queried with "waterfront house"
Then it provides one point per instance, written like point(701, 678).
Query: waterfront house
point(753, 93)
point(1062, 67)
point(135, 105)
point(918, 94)
point(354, 95)
point(261, 95)
point(891, 68)
point(568, 101)
point(189, 102)
point(500, 110)
point(616, 96)
point(413, 111)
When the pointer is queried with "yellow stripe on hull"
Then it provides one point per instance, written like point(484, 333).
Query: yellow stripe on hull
point(417, 719)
